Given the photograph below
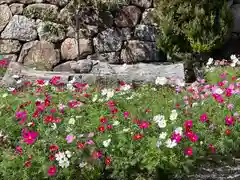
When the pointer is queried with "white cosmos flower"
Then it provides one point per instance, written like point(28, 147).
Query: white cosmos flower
point(15, 76)
point(218, 91)
point(161, 81)
point(210, 61)
point(158, 144)
point(68, 153)
point(173, 115)
point(158, 118)
point(82, 164)
point(194, 104)
point(71, 121)
point(64, 164)
point(106, 143)
point(115, 123)
point(179, 130)
point(170, 143)
point(125, 87)
point(163, 135)
point(11, 89)
point(54, 126)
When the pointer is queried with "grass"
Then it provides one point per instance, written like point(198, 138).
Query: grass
point(125, 132)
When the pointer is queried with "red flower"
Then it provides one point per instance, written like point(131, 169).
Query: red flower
point(103, 119)
point(188, 124)
point(107, 161)
point(194, 138)
point(220, 84)
point(109, 126)
point(53, 148)
point(51, 157)
point(52, 170)
point(80, 145)
point(40, 82)
point(27, 164)
point(188, 151)
point(177, 106)
point(211, 148)
point(227, 132)
point(138, 136)
point(19, 150)
point(101, 128)
point(148, 110)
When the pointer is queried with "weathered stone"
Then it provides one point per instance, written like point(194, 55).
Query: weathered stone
point(10, 57)
point(106, 19)
point(69, 48)
point(140, 51)
point(101, 73)
point(65, 16)
point(50, 31)
point(112, 57)
point(142, 3)
point(5, 16)
point(41, 11)
point(128, 16)
point(25, 49)
point(108, 41)
point(82, 66)
point(64, 67)
point(89, 16)
point(42, 56)
point(60, 3)
point(145, 32)
point(20, 28)
point(9, 46)
point(126, 34)
point(20, 1)
point(87, 32)
point(16, 8)
point(236, 17)
point(147, 17)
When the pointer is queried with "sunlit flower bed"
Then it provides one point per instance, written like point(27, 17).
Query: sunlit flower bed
point(87, 132)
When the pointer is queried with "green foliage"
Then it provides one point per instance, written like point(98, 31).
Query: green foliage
point(126, 134)
point(192, 26)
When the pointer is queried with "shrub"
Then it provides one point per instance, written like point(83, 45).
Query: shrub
point(88, 132)
point(192, 26)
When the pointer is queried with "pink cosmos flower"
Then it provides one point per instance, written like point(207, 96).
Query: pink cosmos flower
point(30, 136)
point(144, 125)
point(22, 116)
point(230, 106)
point(70, 138)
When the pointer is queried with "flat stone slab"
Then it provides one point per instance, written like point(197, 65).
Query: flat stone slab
point(100, 73)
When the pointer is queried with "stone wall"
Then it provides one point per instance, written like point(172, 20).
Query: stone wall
point(42, 34)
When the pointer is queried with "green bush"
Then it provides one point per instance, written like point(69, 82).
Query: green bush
point(192, 26)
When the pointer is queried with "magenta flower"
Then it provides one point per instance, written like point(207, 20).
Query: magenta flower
point(126, 114)
point(30, 136)
point(229, 120)
point(22, 116)
point(203, 118)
